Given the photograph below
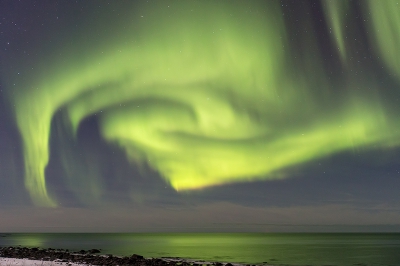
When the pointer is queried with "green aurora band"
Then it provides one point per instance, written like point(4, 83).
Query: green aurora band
point(208, 96)
point(385, 27)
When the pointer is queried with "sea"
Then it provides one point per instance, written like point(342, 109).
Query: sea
point(244, 248)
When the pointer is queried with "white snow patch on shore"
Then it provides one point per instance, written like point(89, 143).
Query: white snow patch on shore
point(26, 262)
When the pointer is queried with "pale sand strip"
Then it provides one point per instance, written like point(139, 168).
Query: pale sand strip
point(26, 262)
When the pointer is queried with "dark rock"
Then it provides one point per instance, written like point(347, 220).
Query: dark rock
point(94, 251)
point(136, 257)
point(87, 257)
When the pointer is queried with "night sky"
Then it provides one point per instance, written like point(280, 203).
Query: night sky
point(199, 115)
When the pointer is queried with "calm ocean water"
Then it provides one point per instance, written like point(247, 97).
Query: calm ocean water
point(252, 248)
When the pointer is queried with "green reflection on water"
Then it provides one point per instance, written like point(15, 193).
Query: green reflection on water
point(252, 248)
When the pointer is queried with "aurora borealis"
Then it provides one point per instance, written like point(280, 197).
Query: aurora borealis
point(174, 100)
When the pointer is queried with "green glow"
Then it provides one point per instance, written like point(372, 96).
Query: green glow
point(385, 26)
point(336, 12)
point(206, 102)
point(34, 126)
point(192, 156)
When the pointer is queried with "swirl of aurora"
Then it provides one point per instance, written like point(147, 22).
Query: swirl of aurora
point(209, 96)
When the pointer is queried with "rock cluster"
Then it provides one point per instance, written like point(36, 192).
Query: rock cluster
point(89, 257)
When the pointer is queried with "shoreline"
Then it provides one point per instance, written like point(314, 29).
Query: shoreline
point(28, 262)
point(10, 256)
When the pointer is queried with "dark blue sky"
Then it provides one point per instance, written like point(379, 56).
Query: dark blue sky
point(284, 69)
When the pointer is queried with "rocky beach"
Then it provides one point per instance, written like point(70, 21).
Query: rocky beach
point(38, 256)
